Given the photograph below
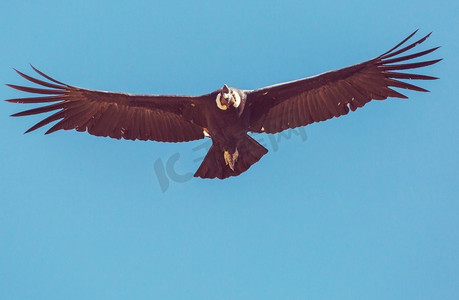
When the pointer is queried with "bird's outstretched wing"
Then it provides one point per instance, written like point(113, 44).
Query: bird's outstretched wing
point(332, 94)
point(117, 115)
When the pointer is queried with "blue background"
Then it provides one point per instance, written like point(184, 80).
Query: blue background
point(365, 207)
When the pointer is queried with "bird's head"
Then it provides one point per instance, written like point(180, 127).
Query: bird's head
point(228, 97)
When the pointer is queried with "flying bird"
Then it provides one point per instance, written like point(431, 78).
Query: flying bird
point(228, 114)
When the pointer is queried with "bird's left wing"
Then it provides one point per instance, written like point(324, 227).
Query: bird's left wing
point(298, 103)
point(164, 118)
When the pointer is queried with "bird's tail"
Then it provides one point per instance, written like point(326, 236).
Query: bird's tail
point(221, 164)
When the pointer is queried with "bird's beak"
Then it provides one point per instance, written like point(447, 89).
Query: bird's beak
point(224, 101)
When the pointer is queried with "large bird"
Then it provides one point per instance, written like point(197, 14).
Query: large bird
point(227, 114)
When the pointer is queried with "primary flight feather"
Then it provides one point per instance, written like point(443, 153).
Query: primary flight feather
point(227, 114)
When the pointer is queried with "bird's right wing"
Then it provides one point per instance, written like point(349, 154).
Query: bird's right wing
point(162, 118)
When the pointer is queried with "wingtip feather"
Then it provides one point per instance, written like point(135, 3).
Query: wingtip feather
point(29, 130)
point(392, 52)
point(18, 114)
point(39, 82)
point(46, 76)
point(37, 90)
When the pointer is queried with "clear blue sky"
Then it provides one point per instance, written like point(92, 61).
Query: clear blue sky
point(362, 207)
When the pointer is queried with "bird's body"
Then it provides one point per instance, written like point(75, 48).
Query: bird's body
point(228, 114)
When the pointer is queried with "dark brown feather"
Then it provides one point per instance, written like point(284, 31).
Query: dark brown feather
point(40, 82)
point(332, 94)
point(35, 90)
point(115, 115)
point(390, 53)
point(36, 99)
point(46, 76)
